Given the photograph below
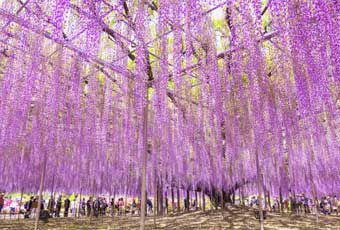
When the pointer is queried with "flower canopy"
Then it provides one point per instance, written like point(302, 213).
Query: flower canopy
point(200, 88)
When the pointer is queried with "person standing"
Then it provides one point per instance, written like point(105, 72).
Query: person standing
point(67, 203)
point(74, 207)
point(96, 207)
point(149, 206)
point(133, 207)
point(112, 205)
point(306, 204)
point(12, 207)
point(193, 204)
point(34, 205)
point(334, 205)
point(252, 201)
point(2, 202)
point(58, 207)
point(82, 207)
point(42, 205)
point(89, 206)
point(104, 206)
point(120, 206)
point(26, 207)
point(51, 205)
point(285, 205)
point(139, 207)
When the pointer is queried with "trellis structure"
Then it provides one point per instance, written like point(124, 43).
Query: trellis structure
point(134, 96)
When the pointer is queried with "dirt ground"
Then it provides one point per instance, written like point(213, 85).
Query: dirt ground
point(234, 218)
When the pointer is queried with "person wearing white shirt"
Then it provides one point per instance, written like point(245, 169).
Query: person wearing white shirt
point(74, 207)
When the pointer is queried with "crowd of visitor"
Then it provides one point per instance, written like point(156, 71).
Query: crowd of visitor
point(98, 206)
point(299, 204)
point(101, 206)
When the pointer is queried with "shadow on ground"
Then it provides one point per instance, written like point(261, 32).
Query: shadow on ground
point(233, 218)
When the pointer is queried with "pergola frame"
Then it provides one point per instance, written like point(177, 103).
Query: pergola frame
point(101, 65)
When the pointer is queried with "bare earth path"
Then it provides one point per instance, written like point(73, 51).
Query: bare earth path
point(235, 218)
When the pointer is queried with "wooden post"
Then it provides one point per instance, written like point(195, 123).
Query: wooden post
point(172, 199)
point(93, 199)
point(52, 194)
point(187, 201)
point(155, 211)
point(144, 160)
point(178, 201)
point(222, 203)
point(259, 183)
point(42, 179)
point(161, 198)
point(265, 199)
point(211, 200)
point(239, 196)
point(281, 201)
point(79, 204)
point(233, 197)
point(114, 205)
point(265, 192)
point(196, 200)
point(242, 195)
point(22, 192)
point(314, 194)
point(317, 210)
point(156, 199)
point(166, 202)
point(269, 203)
point(203, 201)
point(200, 198)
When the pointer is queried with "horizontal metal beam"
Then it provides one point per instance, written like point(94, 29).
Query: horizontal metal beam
point(116, 68)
